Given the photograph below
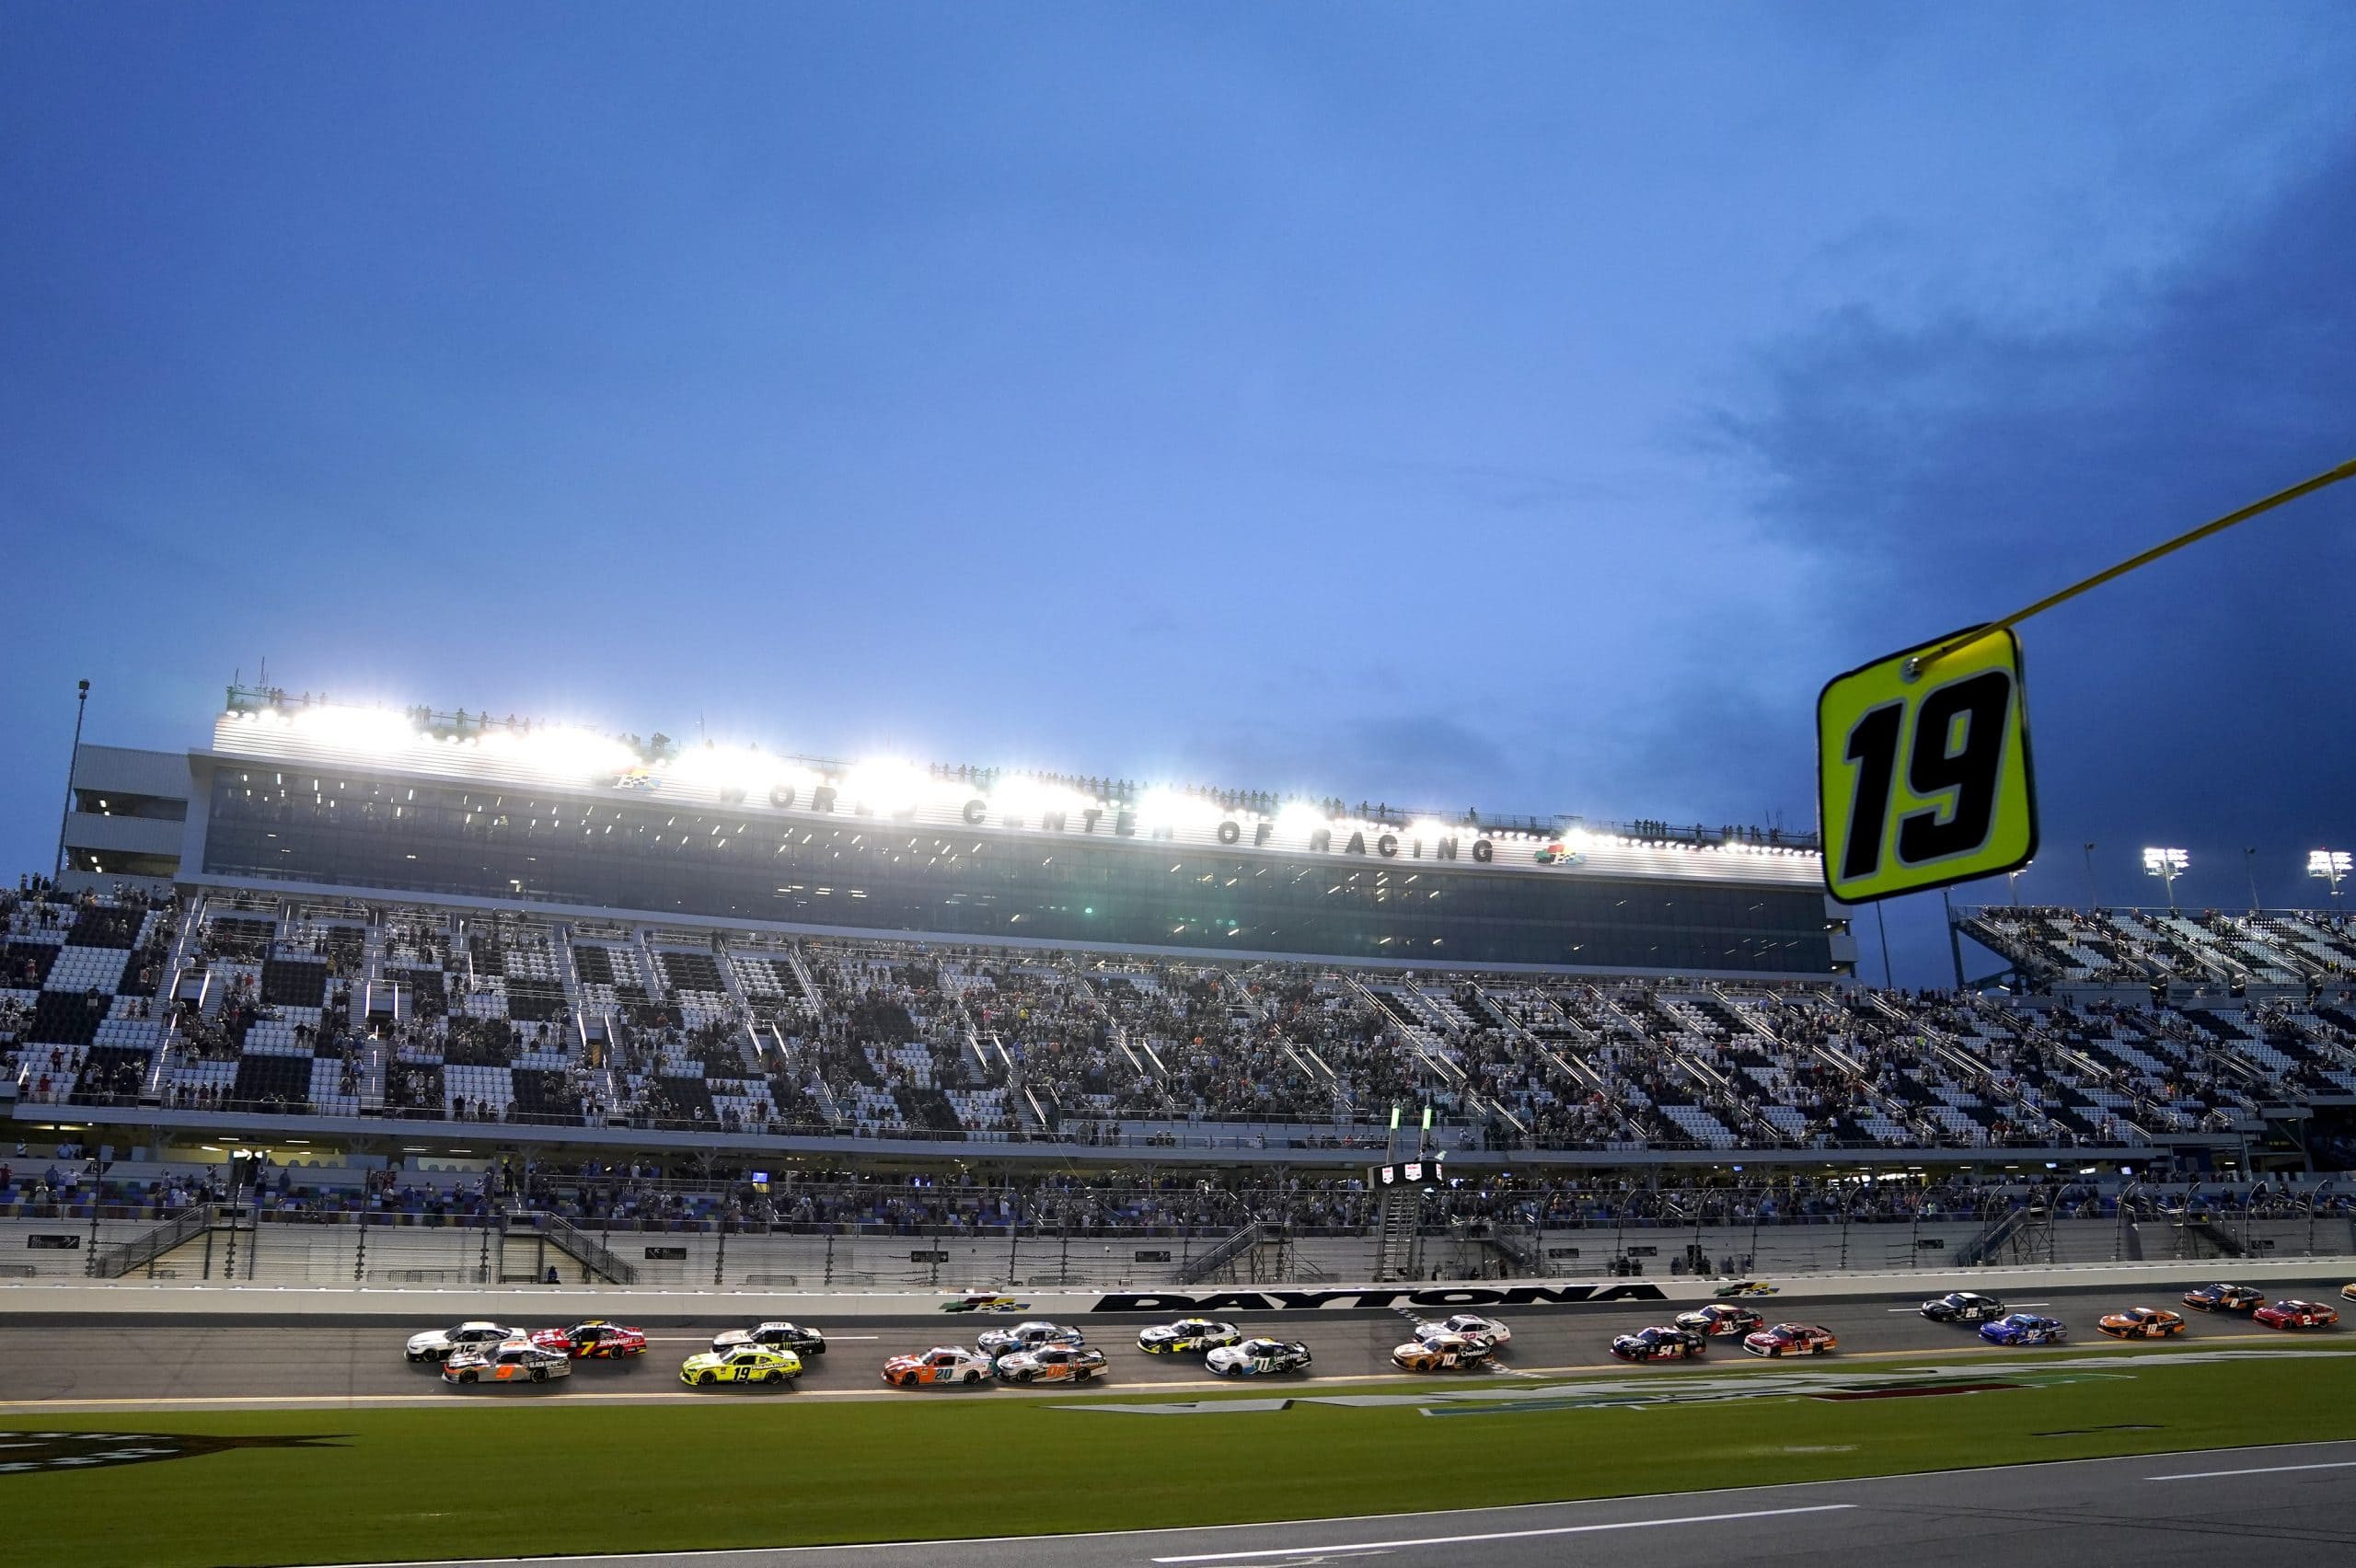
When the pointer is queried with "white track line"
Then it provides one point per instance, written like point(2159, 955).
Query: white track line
point(2262, 1470)
point(1505, 1535)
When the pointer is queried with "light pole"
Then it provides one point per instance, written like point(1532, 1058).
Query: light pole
point(2329, 864)
point(2093, 899)
point(2167, 865)
point(81, 705)
point(2249, 864)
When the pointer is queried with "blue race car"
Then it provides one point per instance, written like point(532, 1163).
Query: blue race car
point(2024, 1328)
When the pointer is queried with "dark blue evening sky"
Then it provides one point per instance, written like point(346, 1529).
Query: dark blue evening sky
point(1526, 407)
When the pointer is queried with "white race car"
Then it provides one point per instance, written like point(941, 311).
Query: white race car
point(437, 1344)
point(516, 1361)
point(996, 1342)
point(1472, 1325)
point(1185, 1334)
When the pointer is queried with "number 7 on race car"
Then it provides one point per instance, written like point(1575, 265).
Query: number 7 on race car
point(1922, 768)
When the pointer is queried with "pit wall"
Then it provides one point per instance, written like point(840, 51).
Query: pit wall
point(2152, 1282)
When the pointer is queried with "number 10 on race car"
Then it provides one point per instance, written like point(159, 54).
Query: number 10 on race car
point(1922, 768)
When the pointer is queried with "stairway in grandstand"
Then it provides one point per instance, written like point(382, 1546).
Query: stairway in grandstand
point(1396, 1233)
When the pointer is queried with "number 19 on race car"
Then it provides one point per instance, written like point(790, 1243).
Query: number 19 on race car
point(1922, 768)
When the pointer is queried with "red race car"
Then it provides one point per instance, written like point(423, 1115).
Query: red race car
point(593, 1340)
point(1790, 1339)
point(2296, 1315)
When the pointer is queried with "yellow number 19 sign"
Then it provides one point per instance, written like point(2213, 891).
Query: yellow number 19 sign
point(1922, 768)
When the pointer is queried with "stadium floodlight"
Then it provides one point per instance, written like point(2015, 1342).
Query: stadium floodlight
point(1301, 817)
point(360, 732)
point(562, 755)
point(2330, 865)
point(2167, 865)
point(1020, 795)
point(1170, 808)
point(888, 785)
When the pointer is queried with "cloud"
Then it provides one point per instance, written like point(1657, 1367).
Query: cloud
point(1947, 473)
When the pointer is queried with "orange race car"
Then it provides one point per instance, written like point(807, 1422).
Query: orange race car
point(2141, 1322)
point(943, 1364)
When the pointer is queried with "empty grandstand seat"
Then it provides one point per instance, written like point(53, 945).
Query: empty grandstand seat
point(293, 983)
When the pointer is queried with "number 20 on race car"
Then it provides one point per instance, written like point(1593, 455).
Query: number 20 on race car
point(1922, 768)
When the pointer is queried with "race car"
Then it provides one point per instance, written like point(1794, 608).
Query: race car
point(1746, 1287)
point(1471, 1326)
point(1444, 1352)
point(2141, 1322)
point(2025, 1328)
point(437, 1343)
point(1963, 1306)
point(1254, 1356)
point(984, 1301)
point(2289, 1314)
point(740, 1363)
point(773, 1336)
point(2347, 1292)
point(1791, 1338)
point(1187, 1333)
point(594, 1339)
point(1052, 1363)
point(1660, 1343)
point(2225, 1298)
point(515, 1361)
point(1026, 1336)
point(1720, 1318)
point(943, 1365)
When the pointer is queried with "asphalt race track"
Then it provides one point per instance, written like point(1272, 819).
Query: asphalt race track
point(2279, 1505)
point(152, 1363)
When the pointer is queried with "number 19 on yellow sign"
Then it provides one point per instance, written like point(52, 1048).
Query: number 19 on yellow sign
point(1922, 768)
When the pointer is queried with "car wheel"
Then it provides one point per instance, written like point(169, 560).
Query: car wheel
point(707, 1377)
point(466, 1377)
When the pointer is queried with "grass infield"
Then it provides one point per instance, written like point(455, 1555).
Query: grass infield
point(503, 1478)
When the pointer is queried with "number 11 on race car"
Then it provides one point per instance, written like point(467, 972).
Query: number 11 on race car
point(1922, 768)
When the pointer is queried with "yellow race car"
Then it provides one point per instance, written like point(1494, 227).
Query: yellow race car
point(740, 1363)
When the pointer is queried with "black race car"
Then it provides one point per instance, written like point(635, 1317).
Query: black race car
point(773, 1336)
point(1254, 1357)
point(2225, 1298)
point(1660, 1343)
point(1963, 1306)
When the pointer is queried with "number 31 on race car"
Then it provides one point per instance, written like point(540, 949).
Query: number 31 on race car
point(1922, 768)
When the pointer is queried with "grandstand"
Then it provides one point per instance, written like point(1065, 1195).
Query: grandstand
point(342, 961)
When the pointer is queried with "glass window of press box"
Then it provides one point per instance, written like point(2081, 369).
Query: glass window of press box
point(872, 874)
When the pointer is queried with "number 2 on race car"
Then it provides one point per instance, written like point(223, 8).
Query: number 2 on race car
point(1922, 768)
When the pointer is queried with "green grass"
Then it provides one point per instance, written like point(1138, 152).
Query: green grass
point(488, 1478)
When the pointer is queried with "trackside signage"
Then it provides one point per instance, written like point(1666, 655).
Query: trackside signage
point(1437, 1296)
